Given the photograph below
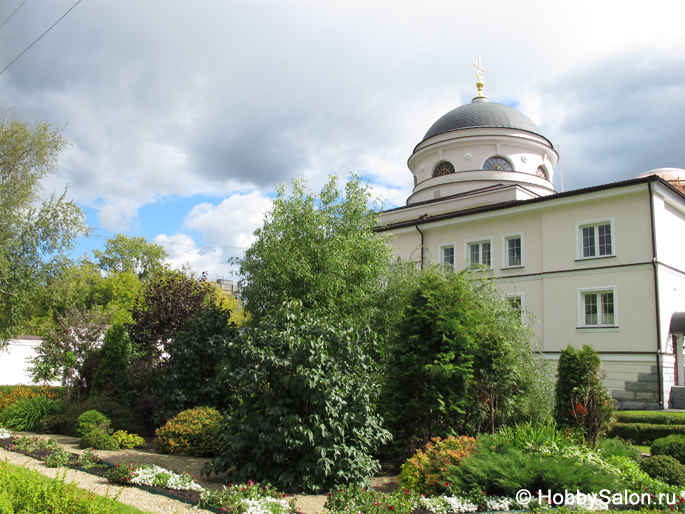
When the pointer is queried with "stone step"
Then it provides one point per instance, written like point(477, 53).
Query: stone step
point(654, 370)
point(647, 377)
point(638, 406)
point(623, 395)
point(645, 397)
point(652, 387)
point(677, 391)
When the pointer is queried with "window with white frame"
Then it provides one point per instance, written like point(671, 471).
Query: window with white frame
point(597, 307)
point(479, 252)
point(596, 239)
point(513, 250)
point(516, 302)
point(447, 254)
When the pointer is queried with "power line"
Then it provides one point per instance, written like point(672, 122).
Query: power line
point(36, 41)
point(8, 19)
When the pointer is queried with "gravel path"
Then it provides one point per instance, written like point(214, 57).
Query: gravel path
point(308, 504)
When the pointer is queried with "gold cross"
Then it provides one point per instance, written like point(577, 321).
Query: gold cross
point(480, 71)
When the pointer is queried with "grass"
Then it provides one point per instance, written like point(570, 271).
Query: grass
point(643, 449)
point(24, 490)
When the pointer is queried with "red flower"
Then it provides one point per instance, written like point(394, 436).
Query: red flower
point(447, 484)
point(392, 508)
point(330, 494)
point(406, 491)
point(283, 495)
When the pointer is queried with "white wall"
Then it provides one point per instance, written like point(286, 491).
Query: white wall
point(13, 362)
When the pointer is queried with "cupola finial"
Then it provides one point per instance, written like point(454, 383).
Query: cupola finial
point(480, 97)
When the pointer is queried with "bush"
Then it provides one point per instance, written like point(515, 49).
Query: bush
point(619, 448)
point(664, 468)
point(673, 445)
point(59, 458)
point(55, 424)
point(651, 418)
point(194, 432)
point(92, 420)
point(424, 471)
point(112, 376)
point(195, 352)
point(122, 417)
point(643, 433)
point(503, 470)
point(581, 400)
point(98, 441)
point(302, 412)
point(27, 414)
point(127, 441)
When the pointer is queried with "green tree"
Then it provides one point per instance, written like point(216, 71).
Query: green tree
point(194, 354)
point(118, 293)
point(581, 400)
point(460, 361)
point(319, 249)
point(131, 254)
point(112, 376)
point(65, 349)
point(302, 395)
point(35, 233)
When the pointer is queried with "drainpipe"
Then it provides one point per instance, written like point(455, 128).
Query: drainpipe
point(656, 295)
point(417, 228)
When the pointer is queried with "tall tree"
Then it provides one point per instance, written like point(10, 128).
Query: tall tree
point(35, 233)
point(131, 254)
point(319, 249)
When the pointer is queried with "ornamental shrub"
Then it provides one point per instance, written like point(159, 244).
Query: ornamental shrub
point(503, 470)
point(673, 445)
point(302, 411)
point(642, 433)
point(27, 414)
point(98, 441)
point(664, 468)
point(92, 420)
point(122, 417)
point(193, 432)
point(424, 471)
point(614, 447)
point(9, 395)
point(127, 441)
point(112, 375)
point(581, 400)
point(189, 378)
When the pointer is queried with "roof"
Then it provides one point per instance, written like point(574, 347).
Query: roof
point(516, 203)
point(481, 114)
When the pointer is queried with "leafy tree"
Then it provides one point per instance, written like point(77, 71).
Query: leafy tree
point(581, 400)
point(194, 354)
point(131, 254)
point(35, 233)
point(168, 302)
point(65, 349)
point(460, 361)
point(302, 398)
point(112, 376)
point(118, 293)
point(319, 249)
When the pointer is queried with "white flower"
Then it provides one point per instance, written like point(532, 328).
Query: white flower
point(5, 433)
point(156, 475)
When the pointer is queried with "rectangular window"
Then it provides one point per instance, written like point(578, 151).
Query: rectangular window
point(516, 302)
point(480, 253)
point(448, 255)
point(596, 239)
point(512, 248)
point(598, 308)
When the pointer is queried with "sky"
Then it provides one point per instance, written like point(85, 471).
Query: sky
point(183, 117)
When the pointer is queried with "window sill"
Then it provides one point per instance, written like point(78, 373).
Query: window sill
point(511, 267)
point(607, 328)
point(596, 257)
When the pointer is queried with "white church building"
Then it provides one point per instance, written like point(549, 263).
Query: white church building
point(602, 266)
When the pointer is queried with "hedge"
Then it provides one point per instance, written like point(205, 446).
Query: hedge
point(643, 433)
point(652, 418)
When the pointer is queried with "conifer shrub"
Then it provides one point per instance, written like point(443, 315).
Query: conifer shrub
point(673, 445)
point(664, 468)
point(92, 420)
point(112, 377)
point(193, 432)
point(99, 441)
point(424, 471)
point(581, 400)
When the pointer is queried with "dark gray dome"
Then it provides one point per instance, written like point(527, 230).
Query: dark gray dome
point(482, 114)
